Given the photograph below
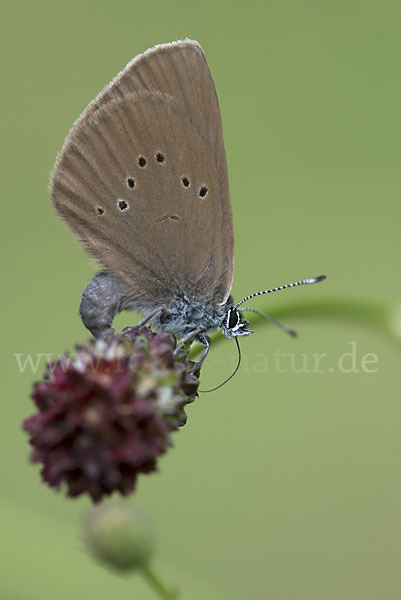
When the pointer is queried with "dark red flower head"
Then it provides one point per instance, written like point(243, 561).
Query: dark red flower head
point(106, 415)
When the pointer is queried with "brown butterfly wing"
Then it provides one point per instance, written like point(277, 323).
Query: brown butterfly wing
point(142, 178)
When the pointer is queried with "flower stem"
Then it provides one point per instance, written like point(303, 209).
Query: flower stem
point(161, 589)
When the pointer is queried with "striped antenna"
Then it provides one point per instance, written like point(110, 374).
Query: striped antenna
point(288, 330)
point(283, 287)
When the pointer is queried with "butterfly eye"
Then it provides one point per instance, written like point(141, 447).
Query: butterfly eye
point(233, 319)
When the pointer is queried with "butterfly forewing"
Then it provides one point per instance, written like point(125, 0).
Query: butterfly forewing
point(142, 178)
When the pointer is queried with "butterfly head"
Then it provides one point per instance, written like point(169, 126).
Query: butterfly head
point(234, 324)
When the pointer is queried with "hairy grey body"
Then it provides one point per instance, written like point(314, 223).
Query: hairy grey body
point(107, 295)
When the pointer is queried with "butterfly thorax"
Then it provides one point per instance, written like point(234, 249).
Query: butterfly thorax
point(185, 315)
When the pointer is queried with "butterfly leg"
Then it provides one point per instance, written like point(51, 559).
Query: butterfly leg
point(188, 338)
point(205, 340)
point(103, 298)
point(145, 321)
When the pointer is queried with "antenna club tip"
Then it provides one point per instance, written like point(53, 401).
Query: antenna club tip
point(316, 279)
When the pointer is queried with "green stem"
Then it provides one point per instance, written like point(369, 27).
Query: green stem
point(383, 317)
point(161, 589)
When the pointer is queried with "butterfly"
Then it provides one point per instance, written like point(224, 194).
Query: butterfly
point(142, 181)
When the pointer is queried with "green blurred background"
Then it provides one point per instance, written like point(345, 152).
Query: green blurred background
point(282, 485)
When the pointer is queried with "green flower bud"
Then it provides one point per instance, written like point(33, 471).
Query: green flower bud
point(116, 535)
